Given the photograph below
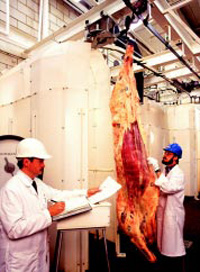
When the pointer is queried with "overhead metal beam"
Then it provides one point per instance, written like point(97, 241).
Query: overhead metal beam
point(176, 6)
point(140, 39)
point(92, 2)
point(152, 61)
point(8, 59)
point(77, 26)
point(12, 45)
point(151, 64)
point(191, 40)
point(76, 5)
point(175, 74)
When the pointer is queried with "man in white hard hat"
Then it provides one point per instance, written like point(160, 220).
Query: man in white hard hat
point(24, 214)
point(170, 212)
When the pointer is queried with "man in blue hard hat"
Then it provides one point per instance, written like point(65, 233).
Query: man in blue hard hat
point(170, 213)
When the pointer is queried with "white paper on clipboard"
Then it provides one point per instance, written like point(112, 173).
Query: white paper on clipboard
point(108, 188)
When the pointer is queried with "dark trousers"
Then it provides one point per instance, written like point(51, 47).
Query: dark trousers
point(172, 264)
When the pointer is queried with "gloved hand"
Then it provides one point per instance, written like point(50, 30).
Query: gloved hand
point(154, 163)
point(56, 208)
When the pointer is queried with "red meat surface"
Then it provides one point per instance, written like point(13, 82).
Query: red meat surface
point(137, 200)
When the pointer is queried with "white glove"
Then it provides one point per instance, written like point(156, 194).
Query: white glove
point(154, 163)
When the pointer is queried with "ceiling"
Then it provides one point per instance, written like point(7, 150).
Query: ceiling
point(166, 32)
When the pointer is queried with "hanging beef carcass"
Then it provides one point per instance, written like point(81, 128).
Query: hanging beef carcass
point(138, 198)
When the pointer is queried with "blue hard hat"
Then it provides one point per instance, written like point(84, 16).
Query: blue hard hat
point(174, 148)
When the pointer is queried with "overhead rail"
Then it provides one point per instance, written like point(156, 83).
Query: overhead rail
point(110, 34)
point(77, 26)
point(138, 9)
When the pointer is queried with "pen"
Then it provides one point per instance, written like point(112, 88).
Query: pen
point(54, 201)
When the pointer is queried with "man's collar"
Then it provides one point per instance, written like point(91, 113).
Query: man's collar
point(25, 178)
point(169, 168)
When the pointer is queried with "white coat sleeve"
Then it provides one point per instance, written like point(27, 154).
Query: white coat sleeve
point(171, 185)
point(15, 223)
point(56, 194)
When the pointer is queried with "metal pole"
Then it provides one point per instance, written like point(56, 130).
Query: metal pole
point(57, 253)
point(106, 248)
point(81, 252)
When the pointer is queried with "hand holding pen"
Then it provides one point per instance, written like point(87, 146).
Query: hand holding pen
point(56, 208)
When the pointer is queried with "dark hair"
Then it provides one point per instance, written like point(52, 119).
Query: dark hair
point(20, 162)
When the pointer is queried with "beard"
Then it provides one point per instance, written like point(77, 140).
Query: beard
point(167, 162)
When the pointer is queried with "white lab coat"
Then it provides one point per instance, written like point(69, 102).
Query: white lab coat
point(24, 220)
point(171, 213)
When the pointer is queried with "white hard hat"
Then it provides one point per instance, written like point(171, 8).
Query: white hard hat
point(31, 148)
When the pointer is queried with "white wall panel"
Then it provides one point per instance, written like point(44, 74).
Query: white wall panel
point(75, 149)
point(16, 118)
point(101, 157)
point(152, 114)
point(189, 186)
point(197, 126)
point(182, 129)
point(6, 120)
point(64, 66)
point(182, 137)
point(154, 127)
point(15, 84)
point(76, 134)
point(21, 118)
point(100, 126)
point(47, 125)
point(198, 146)
point(156, 141)
point(100, 144)
point(180, 117)
point(48, 73)
point(188, 163)
point(100, 140)
point(99, 82)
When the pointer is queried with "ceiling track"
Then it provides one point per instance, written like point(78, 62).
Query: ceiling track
point(138, 14)
point(74, 6)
